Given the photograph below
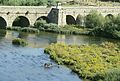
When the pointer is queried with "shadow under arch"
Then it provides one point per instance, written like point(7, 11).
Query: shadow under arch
point(70, 20)
point(44, 18)
point(21, 21)
point(3, 22)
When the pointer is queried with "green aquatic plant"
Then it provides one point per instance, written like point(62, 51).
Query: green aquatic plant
point(91, 62)
point(19, 41)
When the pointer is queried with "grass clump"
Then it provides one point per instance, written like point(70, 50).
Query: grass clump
point(30, 30)
point(14, 28)
point(24, 29)
point(19, 41)
point(91, 62)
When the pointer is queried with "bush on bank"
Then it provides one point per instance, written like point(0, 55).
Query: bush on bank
point(30, 30)
point(94, 19)
point(93, 62)
point(108, 26)
point(42, 25)
point(19, 41)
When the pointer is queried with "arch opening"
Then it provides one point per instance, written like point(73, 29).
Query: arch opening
point(3, 23)
point(109, 16)
point(70, 20)
point(44, 18)
point(21, 21)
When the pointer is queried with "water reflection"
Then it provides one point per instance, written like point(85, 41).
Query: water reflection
point(61, 38)
point(22, 35)
point(44, 39)
point(2, 34)
point(78, 40)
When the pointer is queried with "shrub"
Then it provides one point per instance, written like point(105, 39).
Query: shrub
point(117, 22)
point(94, 19)
point(40, 23)
point(50, 26)
point(14, 28)
point(80, 20)
point(19, 41)
point(112, 75)
point(30, 30)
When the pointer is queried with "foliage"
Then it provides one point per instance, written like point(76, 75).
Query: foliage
point(67, 29)
point(91, 62)
point(111, 0)
point(117, 22)
point(19, 41)
point(51, 3)
point(43, 25)
point(24, 29)
point(30, 30)
point(113, 75)
point(40, 23)
point(107, 27)
point(94, 19)
point(27, 2)
point(79, 20)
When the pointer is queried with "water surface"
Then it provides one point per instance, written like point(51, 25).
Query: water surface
point(26, 63)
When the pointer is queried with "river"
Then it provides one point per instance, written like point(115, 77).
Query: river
point(27, 63)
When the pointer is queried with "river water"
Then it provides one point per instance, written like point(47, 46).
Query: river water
point(26, 63)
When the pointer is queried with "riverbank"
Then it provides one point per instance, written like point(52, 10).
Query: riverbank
point(68, 29)
point(93, 62)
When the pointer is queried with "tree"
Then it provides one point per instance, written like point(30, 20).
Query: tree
point(51, 3)
point(94, 19)
point(80, 20)
point(117, 22)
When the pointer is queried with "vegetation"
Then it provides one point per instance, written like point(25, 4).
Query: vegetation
point(19, 41)
point(42, 25)
point(30, 30)
point(27, 2)
point(24, 29)
point(108, 26)
point(53, 2)
point(112, 0)
point(93, 62)
point(94, 19)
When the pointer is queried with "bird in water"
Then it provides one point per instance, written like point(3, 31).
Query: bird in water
point(48, 65)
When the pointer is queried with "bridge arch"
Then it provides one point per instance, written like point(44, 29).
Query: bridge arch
point(3, 22)
point(110, 16)
point(21, 21)
point(70, 20)
point(44, 18)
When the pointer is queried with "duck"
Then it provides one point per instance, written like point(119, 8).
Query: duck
point(48, 65)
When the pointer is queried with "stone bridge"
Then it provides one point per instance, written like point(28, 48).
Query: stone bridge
point(28, 15)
